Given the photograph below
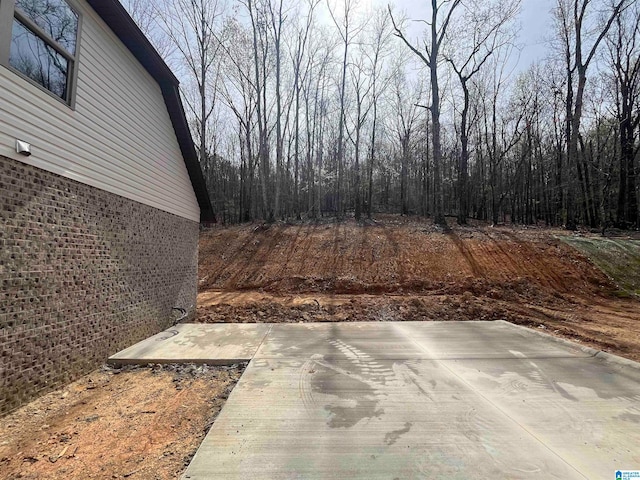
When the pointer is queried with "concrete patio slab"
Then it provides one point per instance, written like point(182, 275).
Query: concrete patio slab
point(424, 401)
point(426, 340)
point(215, 344)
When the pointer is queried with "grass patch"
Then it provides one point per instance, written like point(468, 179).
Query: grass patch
point(618, 258)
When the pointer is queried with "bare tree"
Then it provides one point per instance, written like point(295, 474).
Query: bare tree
point(500, 130)
point(260, 53)
point(381, 34)
point(147, 16)
point(283, 107)
point(441, 14)
point(237, 93)
point(300, 71)
point(407, 96)
point(482, 28)
point(191, 26)
point(580, 40)
point(347, 30)
point(314, 90)
point(277, 20)
point(361, 82)
point(623, 45)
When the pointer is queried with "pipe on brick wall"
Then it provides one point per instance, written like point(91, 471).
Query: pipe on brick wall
point(183, 315)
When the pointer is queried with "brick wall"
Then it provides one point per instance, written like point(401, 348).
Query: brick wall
point(83, 273)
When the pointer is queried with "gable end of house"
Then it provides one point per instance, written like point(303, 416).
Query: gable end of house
point(120, 22)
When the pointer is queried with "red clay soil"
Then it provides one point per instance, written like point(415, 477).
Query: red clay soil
point(142, 424)
point(406, 269)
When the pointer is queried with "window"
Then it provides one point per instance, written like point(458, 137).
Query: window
point(42, 46)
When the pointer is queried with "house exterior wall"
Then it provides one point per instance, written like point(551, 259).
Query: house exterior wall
point(118, 137)
point(84, 273)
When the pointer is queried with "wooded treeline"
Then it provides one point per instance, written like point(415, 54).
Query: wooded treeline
point(310, 108)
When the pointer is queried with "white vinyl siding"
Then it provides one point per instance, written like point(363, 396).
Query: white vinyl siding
point(119, 137)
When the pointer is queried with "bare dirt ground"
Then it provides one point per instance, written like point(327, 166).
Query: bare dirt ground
point(140, 423)
point(406, 269)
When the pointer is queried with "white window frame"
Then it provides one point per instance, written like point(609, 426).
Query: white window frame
point(8, 12)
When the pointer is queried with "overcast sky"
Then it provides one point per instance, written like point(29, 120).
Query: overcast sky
point(536, 25)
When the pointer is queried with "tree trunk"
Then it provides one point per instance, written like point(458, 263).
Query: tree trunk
point(438, 214)
point(463, 167)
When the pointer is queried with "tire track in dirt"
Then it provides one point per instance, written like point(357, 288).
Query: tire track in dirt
point(239, 261)
point(335, 253)
point(307, 246)
point(381, 259)
point(292, 248)
point(537, 260)
point(393, 242)
point(213, 278)
point(466, 254)
point(526, 263)
point(352, 258)
point(301, 263)
point(251, 270)
point(509, 265)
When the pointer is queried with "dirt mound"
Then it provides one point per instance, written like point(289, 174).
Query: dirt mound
point(399, 269)
point(347, 258)
point(369, 308)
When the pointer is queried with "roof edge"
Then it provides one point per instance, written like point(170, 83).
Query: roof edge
point(178, 119)
point(120, 22)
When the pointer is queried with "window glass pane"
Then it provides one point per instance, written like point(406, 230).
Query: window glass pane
point(37, 60)
point(55, 17)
